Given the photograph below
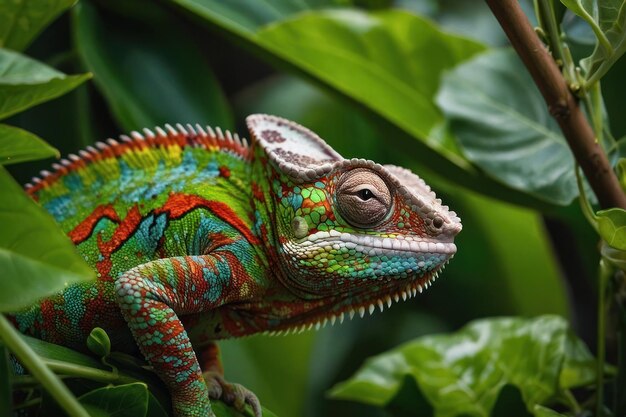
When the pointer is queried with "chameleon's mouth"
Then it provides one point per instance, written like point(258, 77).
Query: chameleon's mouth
point(362, 304)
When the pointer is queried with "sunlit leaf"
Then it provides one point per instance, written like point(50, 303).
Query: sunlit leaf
point(25, 82)
point(377, 60)
point(388, 63)
point(149, 76)
point(22, 20)
point(504, 127)
point(464, 372)
point(17, 145)
point(607, 18)
point(36, 258)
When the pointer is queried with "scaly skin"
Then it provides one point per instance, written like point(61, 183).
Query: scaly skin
point(196, 237)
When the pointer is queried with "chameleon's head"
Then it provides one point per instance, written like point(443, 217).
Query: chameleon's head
point(352, 230)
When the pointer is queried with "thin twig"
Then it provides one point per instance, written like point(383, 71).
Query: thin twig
point(561, 102)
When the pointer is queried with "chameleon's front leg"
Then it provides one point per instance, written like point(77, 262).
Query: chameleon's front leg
point(151, 297)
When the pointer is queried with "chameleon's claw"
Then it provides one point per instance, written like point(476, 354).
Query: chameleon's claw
point(232, 394)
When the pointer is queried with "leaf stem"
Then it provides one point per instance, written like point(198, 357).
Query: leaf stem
point(39, 370)
point(79, 371)
point(547, 18)
point(592, 97)
point(602, 39)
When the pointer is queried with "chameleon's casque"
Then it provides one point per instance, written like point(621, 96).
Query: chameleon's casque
point(197, 236)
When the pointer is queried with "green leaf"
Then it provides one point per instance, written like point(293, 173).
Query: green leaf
point(130, 400)
point(376, 59)
point(22, 20)
point(504, 127)
point(540, 411)
point(607, 18)
point(25, 82)
point(36, 258)
point(464, 372)
point(146, 75)
point(612, 227)
point(17, 145)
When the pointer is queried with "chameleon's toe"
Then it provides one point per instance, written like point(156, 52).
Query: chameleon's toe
point(233, 394)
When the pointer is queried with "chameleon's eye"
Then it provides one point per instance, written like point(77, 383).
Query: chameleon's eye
point(363, 198)
point(365, 194)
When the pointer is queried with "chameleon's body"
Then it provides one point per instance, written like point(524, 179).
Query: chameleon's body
point(196, 236)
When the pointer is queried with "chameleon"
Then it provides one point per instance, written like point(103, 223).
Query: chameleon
point(198, 235)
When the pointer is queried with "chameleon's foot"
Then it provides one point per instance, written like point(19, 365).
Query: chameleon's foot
point(232, 394)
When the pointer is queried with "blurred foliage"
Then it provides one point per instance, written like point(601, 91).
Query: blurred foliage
point(426, 84)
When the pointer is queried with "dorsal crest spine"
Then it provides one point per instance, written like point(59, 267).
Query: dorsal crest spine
point(181, 136)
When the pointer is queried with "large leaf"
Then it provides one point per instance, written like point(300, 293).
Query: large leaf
point(22, 20)
point(25, 82)
point(355, 54)
point(607, 18)
point(17, 145)
point(149, 75)
point(375, 59)
point(36, 258)
point(463, 373)
point(504, 127)
point(378, 60)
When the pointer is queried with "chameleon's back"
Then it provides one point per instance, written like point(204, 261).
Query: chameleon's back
point(129, 202)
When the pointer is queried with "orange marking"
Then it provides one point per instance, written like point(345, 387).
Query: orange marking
point(84, 229)
point(126, 228)
point(177, 205)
